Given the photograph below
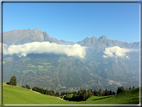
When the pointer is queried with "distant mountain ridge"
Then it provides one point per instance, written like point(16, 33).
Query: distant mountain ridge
point(106, 42)
point(26, 36)
point(17, 37)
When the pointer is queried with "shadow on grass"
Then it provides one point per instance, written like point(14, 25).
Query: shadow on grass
point(68, 99)
point(101, 98)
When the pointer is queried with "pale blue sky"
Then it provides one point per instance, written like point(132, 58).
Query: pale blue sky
point(75, 21)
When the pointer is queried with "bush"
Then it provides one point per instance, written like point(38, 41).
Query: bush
point(27, 86)
point(23, 86)
point(34, 88)
point(8, 83)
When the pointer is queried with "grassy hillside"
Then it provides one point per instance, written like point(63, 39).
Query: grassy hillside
point(18, 95)
point(128, 97)
point(68, 96)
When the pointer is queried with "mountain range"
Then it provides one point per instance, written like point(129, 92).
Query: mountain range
point(107, 63)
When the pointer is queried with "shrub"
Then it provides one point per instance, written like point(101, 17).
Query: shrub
point(8, 83)
point(27, 86)
point(23, 86)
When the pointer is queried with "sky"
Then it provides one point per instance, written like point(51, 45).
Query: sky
point(75, 21)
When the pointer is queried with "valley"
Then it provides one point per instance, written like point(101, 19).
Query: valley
point(61, 72)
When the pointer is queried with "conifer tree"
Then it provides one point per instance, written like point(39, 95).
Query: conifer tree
point(90, 91)
point(113, 93)
point(13, 81)
point(46, 92)
point(42, 91)
point(122, 89)
point(95, 93)
point(57, 94)
point(110, 92)
point(118, 90)
point(103, 93)
point(100, 91)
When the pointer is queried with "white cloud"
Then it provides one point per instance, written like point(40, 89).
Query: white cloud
point(116, 51)
point(4, 47)
point(45, 47)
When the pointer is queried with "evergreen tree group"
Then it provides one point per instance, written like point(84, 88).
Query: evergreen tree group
point(84, 94)
point(45, 91)
point(107, 92)
point(80, 95)
point(120, 90)
point(12, 81)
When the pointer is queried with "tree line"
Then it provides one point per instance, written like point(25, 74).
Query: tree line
point(80, 95)
point(45, 91)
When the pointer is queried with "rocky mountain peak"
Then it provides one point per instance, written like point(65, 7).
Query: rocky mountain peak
point(37, 30)
point(87, 37)
point(103, 37)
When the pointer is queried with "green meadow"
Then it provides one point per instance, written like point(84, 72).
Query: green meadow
point(19, 95)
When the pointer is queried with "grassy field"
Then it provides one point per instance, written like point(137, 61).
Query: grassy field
point(128, 97)
point(68, 96)
point(18, 95)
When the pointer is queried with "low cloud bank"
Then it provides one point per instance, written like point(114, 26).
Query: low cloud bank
point(45, 47)
point(116, 51)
